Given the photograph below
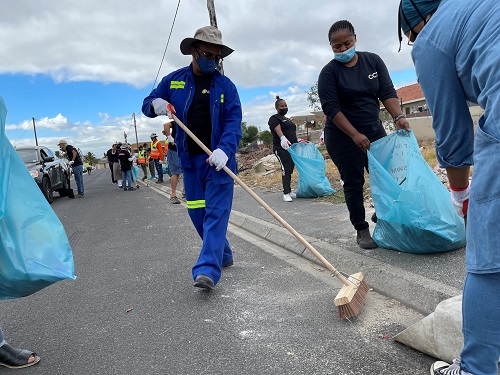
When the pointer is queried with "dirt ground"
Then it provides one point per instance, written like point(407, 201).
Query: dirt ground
point(271, 180)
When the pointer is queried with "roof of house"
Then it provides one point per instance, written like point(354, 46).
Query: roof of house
point(410, 93)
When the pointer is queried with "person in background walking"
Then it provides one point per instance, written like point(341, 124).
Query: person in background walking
point(142, 162)
point(112, 156)
point(284, 134)
point(125, 160)
point(456, 52)
point(350, 89)
point(209, 103)
point(151, 163)
point(173, 160)
point(11, 357)
point(75, 162)
point(88, 167)
point(156, 154)
point(117, 171)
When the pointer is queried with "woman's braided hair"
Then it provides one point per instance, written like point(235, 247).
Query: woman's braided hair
point(277, 102)
point(341, 25)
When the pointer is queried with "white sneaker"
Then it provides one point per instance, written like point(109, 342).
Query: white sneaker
point(443, 368)
point(287, 198)
point(293, 195)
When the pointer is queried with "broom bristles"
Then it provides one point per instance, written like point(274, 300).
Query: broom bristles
point(351, 297)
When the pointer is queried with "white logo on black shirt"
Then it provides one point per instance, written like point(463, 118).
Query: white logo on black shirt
point(373, 75)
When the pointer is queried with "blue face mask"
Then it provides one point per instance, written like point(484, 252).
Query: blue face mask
point(206, 66)
point(346, 56)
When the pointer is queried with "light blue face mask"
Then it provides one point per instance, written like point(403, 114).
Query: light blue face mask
point(206, 66)
point(346, 56)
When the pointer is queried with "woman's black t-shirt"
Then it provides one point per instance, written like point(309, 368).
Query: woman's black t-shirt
point(356, 92)
point(287, 127)
point(198, 118)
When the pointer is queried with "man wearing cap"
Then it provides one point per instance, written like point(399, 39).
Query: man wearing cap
point(156, 154)
point(75, 162)
point(209, 105)
point(112, 156)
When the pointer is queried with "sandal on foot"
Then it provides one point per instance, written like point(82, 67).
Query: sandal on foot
point(175, 200)
point(16, 358)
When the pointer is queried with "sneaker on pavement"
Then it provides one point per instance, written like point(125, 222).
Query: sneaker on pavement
point(80, 196)
point(159, 181)
point(365, 240)
point(287, 198)
point(204, 282)
point(443, 368)
point(175, 200)
point(228, 264)
point(293, 195)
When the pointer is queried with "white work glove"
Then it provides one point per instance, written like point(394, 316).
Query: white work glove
point(322, 137)
point(170, 139)
point(160, 162)
point(460, 200)
point(285, 143)
point(130, 159)
point(218, 158)
point(71, 163)
point(160, 107)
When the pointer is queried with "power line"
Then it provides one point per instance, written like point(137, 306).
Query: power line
point(166, 46)
point(164, 53)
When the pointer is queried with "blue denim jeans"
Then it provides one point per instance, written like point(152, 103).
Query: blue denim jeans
point(159, 169)
point(78, 173)
point(127, 179)
point(481, 324)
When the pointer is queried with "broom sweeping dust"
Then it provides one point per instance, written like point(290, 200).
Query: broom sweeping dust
point(352, 294)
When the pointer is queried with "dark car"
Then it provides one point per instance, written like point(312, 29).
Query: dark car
point(49, 172)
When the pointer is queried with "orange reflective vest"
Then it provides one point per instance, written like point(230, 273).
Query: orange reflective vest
point(141, 157)
point(155, 152)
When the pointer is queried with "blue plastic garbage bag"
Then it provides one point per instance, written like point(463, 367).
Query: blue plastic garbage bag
point(34, 249)
point(166, 169)
point(414, 211)
point(312, 181)
point(135, 172)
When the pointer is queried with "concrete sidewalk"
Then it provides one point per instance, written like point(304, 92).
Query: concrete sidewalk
point(417, 281)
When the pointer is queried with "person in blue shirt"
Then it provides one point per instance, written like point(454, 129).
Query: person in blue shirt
point(456, 53)
point(208, 103)
point(350, 89)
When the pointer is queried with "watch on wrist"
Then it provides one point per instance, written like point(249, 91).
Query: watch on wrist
point(398, 117)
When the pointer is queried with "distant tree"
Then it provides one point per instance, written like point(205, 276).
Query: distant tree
point(90, 158)
point(250, 134)
point(266, 137)
point(313, 98)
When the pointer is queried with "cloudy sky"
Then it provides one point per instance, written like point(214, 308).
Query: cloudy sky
point(82, 68)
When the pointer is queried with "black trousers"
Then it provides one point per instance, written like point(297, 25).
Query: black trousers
point(112, 175)
point(287, 166)
point(351, 163)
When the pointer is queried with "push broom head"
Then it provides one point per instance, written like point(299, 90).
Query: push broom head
point(351, 297)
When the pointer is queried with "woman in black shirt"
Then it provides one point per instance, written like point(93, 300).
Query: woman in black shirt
point(350, 89)
point(283, 131)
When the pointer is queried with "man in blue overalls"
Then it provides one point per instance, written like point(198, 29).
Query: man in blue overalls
point(208, 103)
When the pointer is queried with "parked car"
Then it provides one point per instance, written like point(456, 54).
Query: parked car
point(49, 172)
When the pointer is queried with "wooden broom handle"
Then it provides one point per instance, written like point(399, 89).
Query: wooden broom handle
point(327, 264)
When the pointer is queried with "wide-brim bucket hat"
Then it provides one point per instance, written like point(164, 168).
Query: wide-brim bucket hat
point(207, 34)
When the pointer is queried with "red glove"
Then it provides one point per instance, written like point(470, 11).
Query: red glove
point(460, 200)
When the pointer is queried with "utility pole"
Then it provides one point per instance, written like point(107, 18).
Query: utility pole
point(34, 129)
point(211, 13)
point(136, 139)
point(213, 22)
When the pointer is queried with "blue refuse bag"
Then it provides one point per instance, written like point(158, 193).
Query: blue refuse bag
point(414, 211)
point(312, 181)
point(34, 248)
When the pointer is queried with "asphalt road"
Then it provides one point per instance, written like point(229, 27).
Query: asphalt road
point(133, 308)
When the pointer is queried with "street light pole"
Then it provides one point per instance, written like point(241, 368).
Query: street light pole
point(136, 139)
